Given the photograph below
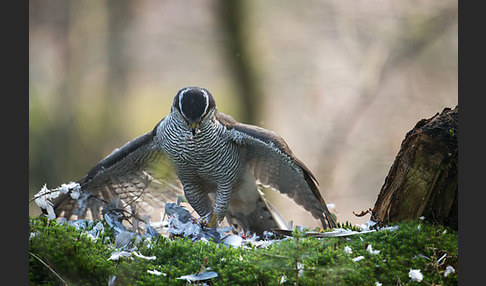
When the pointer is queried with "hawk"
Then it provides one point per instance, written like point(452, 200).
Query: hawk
point(217, 163)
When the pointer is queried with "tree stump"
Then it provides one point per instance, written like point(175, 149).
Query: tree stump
point(423, 180)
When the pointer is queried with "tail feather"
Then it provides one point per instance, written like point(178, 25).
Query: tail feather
point(257, 216)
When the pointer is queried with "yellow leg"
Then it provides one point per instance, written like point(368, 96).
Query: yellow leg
point(213, 221)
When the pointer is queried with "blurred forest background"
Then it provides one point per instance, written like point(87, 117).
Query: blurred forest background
point(341, 81)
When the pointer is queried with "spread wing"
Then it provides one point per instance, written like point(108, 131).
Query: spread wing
point(136, 178)
point(273, 164)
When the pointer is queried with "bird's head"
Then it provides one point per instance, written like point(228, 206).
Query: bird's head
point(196, 106)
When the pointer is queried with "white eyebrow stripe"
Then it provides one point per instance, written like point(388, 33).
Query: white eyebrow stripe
point(180, 98)
point(206, 97)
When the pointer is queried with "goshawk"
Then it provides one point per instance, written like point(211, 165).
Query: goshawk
point(219, 162)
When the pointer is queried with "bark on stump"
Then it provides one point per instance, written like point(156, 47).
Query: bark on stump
point(423, 180)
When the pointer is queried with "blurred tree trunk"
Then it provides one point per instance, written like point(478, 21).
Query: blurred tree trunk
point(378, 62)
point(232, 16)
point(119, 16)
point(119, 19)
point(423, 180)
point(52, 152)
point(60, 143)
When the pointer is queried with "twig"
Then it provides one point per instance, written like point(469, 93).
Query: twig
point(202, 266)
point(36, 257)
point(362, 213)
point(48, 192)
point(297, 236)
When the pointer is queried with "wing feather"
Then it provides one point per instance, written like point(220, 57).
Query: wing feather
point(136, 177)
point(272, 163)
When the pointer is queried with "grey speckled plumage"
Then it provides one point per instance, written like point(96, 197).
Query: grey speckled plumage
point(218, 162)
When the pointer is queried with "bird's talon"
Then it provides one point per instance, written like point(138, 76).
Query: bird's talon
point(213, 221)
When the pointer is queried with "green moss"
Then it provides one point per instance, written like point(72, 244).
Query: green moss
point(81, 261)
point(73, 255)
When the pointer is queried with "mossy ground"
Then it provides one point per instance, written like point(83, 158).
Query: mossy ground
point(79, 260)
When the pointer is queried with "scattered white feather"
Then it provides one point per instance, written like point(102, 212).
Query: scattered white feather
point(367, 226)
point(300, 267)
point(441, 258)
point(420, 255)
point(139, 255)
point(111, 280)
point(117, 254)
point(43, 190)
point(54, 194)
point(155, 272)
point(415, 275)
point(199, 276)
point(75, 194)
point(33, 234)
point(233, 240)
point(64, 188)
point(41, 198)
point(45, 196)
point(348, 250)
point(370, 250)
point(50, 211)
point(177, 227)
point(449, 270)
point(41, 202)
point(123, 239)
point(358, 258)
point(390, 228)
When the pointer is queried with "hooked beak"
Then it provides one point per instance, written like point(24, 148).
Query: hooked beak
point(194, 128)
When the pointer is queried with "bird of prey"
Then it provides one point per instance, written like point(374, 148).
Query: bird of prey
point(219, 162)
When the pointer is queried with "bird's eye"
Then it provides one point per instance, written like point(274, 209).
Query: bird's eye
point(205, 113)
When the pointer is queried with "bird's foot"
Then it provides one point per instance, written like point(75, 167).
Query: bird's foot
point(213, 221)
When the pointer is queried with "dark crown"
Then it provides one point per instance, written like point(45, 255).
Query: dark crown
point(194, 102)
